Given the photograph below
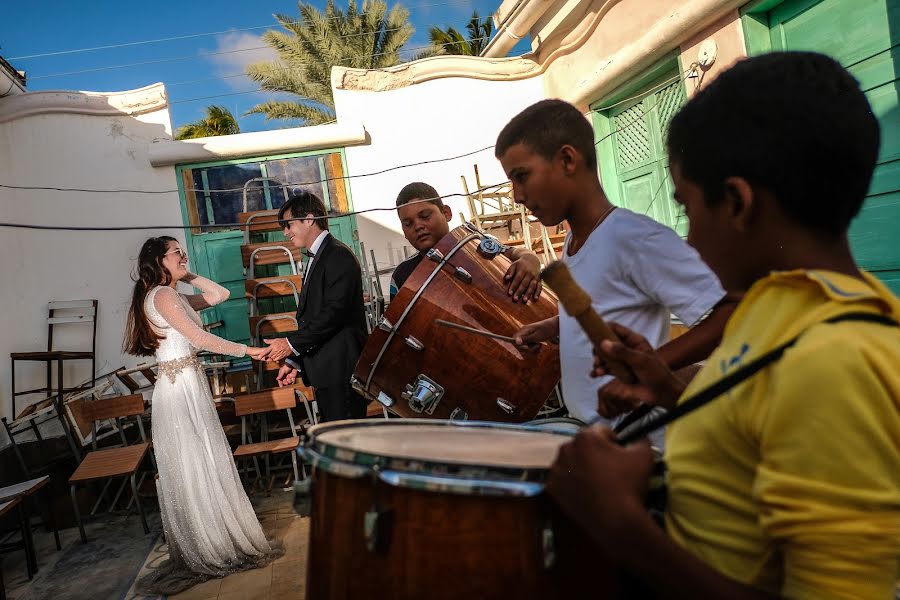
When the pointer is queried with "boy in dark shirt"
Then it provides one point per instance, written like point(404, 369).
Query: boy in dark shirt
point(426, 219)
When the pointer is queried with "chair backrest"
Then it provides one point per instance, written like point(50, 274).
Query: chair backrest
point(102, 409)
point(273, 287)
point(266, 401)
point(272, 324)
point(115, 409)
point(71, 311)
point(126, 376)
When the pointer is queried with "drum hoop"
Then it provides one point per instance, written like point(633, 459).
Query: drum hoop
point(396, 326)
point(445, 476)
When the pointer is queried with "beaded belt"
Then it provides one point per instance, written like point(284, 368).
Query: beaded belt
point(171, 368)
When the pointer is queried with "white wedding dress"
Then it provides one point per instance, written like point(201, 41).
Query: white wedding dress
point(210, 526)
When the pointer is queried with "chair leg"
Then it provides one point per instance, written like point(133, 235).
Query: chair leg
point(137, 501)
point(78, 517)
point(51, 518)
point(294, 462)
point(2, 584)
point(16, 451)
point(28, 543)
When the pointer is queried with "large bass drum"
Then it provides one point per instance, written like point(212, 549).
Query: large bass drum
point(411, 508)
point(417, 368)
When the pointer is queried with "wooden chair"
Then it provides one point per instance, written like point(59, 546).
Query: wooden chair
point(270, 253)
point(127, 376)
point(60, 313)
point(260, 403)
point(27, 491)
point(109, 463)
point(26, 542)
point(78, 431)
point(264, 326)
point(278, 286)
point(258, 221)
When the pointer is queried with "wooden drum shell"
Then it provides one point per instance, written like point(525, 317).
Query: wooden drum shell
point(446, 546)
point(474, 371)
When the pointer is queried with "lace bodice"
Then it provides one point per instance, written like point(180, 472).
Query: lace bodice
point(173, 316)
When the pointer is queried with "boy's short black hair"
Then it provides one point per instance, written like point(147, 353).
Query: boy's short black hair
point(546, 127)
point(794, 123)
point(419, 191)
point(300, 204)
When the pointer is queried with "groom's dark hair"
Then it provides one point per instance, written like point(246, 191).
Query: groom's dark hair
point(300, 204)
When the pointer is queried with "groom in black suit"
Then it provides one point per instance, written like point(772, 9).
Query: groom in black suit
point(330, 313)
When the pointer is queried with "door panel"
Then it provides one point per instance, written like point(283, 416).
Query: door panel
point(638, 144)
point(214, 194)
point(864, 36)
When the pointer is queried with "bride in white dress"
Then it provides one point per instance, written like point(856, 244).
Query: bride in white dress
point(209, 523)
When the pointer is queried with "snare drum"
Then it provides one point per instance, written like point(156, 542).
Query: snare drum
point(414, 508)
point(417, 368)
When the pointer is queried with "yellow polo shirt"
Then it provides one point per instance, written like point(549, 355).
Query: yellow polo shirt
point(791, 481)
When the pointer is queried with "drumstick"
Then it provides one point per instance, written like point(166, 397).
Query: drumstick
point(483, 332)
point(578, 304)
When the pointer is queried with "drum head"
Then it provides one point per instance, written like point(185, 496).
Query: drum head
point(459, 443)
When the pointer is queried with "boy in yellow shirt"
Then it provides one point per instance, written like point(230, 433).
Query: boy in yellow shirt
point(787, 485)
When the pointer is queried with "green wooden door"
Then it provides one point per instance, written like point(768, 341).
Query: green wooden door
point(631, 150)
point(864, 36)
point(213, 194)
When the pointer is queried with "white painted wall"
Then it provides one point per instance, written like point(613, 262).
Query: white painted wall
point(71, 150)
point(426, 121)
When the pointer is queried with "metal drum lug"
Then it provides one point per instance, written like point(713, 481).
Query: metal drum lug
point(385, 325)
point(506, 406)
point(414, 343)
point(384, 400)
point(463, 275)
point(435, 255)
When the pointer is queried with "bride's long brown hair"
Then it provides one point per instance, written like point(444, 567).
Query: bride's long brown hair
point(140, 338)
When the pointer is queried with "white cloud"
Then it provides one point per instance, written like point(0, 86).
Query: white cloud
point(238, 46)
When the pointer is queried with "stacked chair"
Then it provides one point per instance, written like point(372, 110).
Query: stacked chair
point(495, 211)
point(274, 279)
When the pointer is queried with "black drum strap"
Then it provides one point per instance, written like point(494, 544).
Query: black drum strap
point(723, 385)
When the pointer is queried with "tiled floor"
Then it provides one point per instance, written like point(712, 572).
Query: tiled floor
point(285, 578)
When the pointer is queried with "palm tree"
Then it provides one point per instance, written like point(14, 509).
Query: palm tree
point(452, 41)
point(218, 121)
point(370, 38)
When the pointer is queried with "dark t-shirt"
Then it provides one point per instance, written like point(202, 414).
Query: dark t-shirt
point(403, 271)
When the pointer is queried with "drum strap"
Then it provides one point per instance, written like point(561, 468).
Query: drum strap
point(718, 388)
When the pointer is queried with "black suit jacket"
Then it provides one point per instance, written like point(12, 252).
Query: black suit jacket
point(331, 317)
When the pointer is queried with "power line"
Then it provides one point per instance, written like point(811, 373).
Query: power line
point(180, 58)
point(196, 35)
point(293, 184)
point(324, 180)
point(231, 225)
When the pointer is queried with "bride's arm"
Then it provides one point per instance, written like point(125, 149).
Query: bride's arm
point(213, 293)
point(168, 304)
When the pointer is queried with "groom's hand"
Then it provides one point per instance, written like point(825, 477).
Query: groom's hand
point(279, 349)
point(287, 375)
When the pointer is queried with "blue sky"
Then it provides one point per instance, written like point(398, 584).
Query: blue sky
point(40, 27)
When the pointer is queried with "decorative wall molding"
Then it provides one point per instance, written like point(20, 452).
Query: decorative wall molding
point(258, 143)
point(130, 102)
point(560, 56)
point(437, 67)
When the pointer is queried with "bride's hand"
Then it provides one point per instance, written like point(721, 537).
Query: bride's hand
point(257, 353)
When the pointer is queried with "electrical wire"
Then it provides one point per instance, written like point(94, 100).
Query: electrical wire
point(196, 35)
point(214, 226)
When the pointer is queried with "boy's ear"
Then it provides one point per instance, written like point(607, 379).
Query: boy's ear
point(448, 213)
point(740, 199)
point(569, 157)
